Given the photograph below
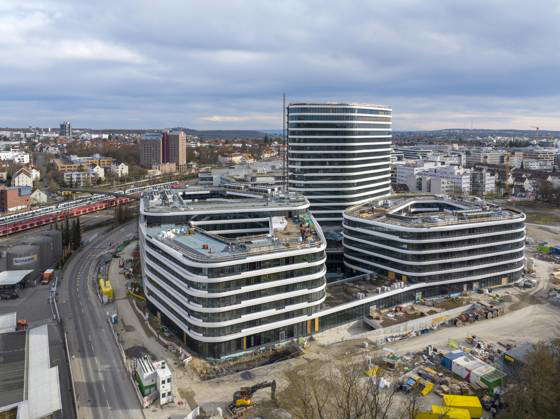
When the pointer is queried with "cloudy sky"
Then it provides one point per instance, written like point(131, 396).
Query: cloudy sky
point(224, 64)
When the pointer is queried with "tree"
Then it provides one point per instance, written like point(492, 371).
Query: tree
point(533, 389)
point(344, 391)
point(66, 233)
point(76, 237)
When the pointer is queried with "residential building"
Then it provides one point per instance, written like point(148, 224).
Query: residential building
point(14, 198)
point(235, 158)
point(35, 173)
point(177, 149)
point(119, 169)
point(538, 153)
point(18, 157)
point(65, 129)
point(75, 163)
point(38, 197)
point(338, 155)
point(433, 240)
point(441, 180)
point(150, 149)
point(22, 177)
point(78, 178)
point(485, 156)
point(97, 172)
point(483, 182)
point(538, 164)
point(232, 270)
point(408, 169)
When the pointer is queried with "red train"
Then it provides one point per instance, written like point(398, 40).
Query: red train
point(40, 220)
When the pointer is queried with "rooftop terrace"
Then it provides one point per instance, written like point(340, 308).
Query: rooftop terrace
point(285, 234)
point(410, 210)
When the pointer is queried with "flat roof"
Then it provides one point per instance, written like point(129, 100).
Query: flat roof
point(404, 210)
point(200, 244)
point(369, 105)
point(188, 199)
point(43, 385)
point(12, 367)
point(13, 277)
point(8, 322)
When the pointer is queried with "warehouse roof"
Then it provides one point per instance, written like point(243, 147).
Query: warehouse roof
point(13, 277)
point(12, 367)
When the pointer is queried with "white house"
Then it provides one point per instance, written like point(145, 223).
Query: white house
point(97, 172)
point(77, 178)
point(15, 156)
point(119, 169)
point(35, 173)
point(23, 177)
point(38, 197)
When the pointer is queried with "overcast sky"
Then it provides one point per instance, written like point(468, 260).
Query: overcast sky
point(224, 64)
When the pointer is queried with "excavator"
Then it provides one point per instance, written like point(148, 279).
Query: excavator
point(243, 398)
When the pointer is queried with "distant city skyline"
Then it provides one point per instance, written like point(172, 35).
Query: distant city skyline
point(438, 65)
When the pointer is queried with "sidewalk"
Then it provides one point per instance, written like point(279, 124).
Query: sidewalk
point(136, 336)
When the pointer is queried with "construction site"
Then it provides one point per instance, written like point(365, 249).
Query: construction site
point(409, 347)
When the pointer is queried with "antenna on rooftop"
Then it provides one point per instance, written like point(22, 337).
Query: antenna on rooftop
point(285, 144)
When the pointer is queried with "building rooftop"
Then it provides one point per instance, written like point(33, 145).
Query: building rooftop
point(285, 234)
point(13, 277)
point(188, 199)
point(423, 211)
point(12, 367)
point(369, 105)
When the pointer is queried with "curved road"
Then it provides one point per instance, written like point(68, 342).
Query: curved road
point(103, 389)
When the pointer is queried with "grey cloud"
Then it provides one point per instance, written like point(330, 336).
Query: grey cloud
point(214, 64)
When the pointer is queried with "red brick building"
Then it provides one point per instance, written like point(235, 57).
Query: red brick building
point(13, 199)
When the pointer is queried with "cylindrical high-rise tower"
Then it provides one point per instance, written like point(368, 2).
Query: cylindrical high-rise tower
point(338, 155)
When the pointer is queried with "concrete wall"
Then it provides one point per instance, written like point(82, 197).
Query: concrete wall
point(378, 336)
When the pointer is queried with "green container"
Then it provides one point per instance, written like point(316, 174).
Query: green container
point(493, 380)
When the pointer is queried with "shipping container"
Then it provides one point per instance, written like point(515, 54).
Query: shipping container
point(477, 374)
point(464, 366)
point(493, 380)
point(444, 412)
point(470, 403)
point(448, 358)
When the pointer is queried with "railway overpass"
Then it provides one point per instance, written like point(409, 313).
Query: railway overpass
point(99, 201)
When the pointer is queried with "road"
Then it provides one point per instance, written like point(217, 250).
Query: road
point(103, 389)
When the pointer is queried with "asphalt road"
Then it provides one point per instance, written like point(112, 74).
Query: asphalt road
point(103, 388)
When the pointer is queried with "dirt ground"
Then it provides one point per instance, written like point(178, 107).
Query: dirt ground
point(531, 320)
point(547, 233)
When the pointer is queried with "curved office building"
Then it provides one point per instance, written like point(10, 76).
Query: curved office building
point(338, 155)
point(262, 284)
point(434, 239)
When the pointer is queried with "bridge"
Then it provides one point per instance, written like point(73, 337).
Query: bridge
point(118, 194)
point(100, 200)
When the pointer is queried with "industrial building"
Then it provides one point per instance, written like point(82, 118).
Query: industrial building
point(232, 269)
point(29, 385)
point(24, 259)
point(338, 155)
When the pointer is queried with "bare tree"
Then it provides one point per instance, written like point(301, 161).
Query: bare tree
point(343, 391)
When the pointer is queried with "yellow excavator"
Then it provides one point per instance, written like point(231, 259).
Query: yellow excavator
point(243, 398)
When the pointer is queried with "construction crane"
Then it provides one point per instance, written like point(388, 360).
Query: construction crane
point(243, 398)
